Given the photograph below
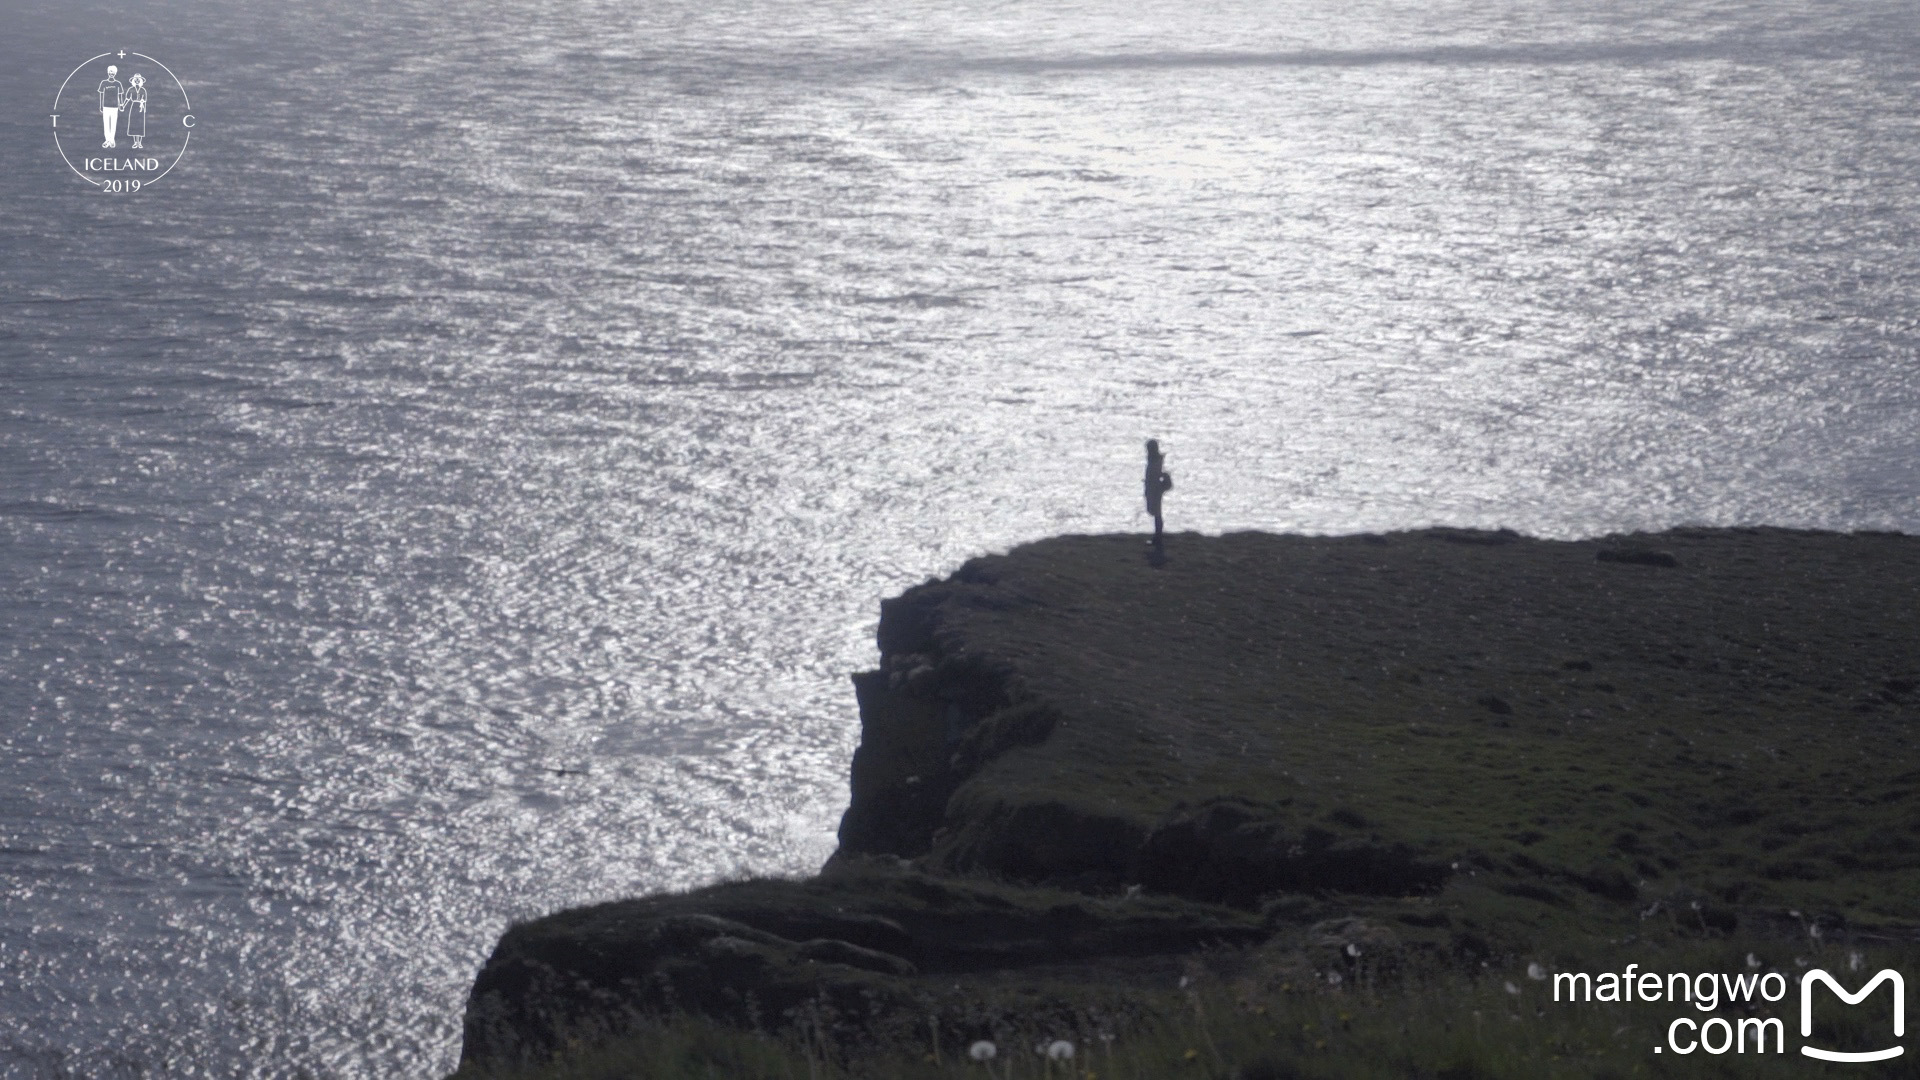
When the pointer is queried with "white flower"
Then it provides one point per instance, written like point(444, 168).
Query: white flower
point(1059, 1050)
point(1512, 989)
point(1853, 961)
point(1752, 960)
point(1536, 972)
point(1352, 949)
point(982, 1051)
point(1333, 977)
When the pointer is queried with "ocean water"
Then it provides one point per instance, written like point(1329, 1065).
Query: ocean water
point(461, 488)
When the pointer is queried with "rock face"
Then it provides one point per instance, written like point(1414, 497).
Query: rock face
point(1459, 742)
point(935, 714)
point(855, 940)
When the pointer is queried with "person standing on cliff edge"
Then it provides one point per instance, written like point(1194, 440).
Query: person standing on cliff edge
point(1159, 481)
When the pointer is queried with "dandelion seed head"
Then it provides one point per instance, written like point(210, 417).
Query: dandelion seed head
point(983, 1051)
point(1059, 1050)
point(1536, 972)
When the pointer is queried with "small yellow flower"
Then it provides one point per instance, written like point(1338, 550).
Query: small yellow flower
point(1192, 1054)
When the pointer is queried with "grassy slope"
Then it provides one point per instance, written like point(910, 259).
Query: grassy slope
point(1733, 737)
point(1497, 1026)
point(1741, 725)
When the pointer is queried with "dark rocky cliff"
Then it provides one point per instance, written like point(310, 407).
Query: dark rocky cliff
point(1446, 743)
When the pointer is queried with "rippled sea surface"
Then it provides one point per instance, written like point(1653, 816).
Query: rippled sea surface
point(461, 489)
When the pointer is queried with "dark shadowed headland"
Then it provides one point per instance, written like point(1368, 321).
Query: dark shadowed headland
point(1284, 765)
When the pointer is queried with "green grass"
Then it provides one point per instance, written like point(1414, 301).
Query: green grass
point(1579, 763)
point(1739, 726)
point(1439, 1024)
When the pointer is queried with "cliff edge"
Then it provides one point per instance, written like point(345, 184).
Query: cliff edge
point(1282, 752)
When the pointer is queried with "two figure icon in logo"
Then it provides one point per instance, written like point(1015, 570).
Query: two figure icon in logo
point(123, 107)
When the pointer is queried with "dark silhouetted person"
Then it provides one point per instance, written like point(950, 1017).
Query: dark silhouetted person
point(1159, 482)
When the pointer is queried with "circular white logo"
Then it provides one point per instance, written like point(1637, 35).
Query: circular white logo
point(121, 121)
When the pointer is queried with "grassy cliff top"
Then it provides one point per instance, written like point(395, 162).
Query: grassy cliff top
point(1719, 712)
point(1299, 806)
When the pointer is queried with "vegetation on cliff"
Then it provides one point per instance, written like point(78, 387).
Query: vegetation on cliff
point(1282, 773)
